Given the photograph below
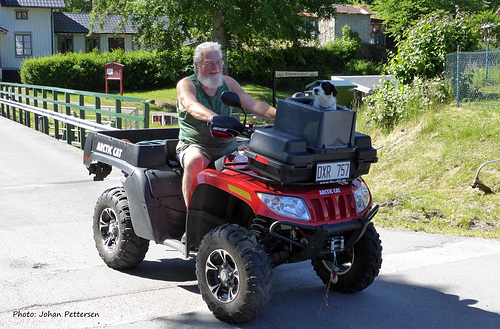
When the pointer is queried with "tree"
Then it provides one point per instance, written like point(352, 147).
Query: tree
point(78, 6)
point(424, 46)
point(489, 24)
point(400, 14)
point(494, 5)
point(233, 23)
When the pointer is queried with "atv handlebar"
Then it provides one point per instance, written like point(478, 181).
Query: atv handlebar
point(222, 127)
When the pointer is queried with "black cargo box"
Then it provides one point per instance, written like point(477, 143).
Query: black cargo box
point(140, 148)
point(290, 152)
point(320, 129)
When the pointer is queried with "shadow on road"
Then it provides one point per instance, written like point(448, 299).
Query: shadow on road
point(170, 269)
point(384, 305)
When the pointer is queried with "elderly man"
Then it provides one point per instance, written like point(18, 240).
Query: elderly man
point(198, 102)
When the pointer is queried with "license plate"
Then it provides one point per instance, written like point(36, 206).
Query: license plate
point(332, 171)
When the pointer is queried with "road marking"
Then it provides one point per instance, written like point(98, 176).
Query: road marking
point(26, 186)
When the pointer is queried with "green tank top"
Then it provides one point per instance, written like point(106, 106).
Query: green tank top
point(197, 131)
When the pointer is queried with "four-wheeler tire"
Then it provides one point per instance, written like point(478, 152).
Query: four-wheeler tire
point(114, 236)
point(234, 274)
point(358, 267)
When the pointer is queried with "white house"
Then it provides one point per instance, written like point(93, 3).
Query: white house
point(31, 28)
point(26, 30)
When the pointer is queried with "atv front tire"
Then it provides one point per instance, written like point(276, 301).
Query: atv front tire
point(234, 274)
point(114, 236)
point(357, 268)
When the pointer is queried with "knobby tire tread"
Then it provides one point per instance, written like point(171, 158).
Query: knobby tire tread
point(131, 248)
point(366, 267)
point(256, 265)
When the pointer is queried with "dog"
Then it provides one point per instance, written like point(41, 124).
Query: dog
point(324, 92)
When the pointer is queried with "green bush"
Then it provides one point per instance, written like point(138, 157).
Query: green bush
point(347, 47)
point(259, 66)
point(394, 101)
point(158, 69)
point(425, 45)
point(85, 71)
point(362, 67)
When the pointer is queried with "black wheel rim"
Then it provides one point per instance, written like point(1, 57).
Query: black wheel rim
point(108, 227)
point(223, 276)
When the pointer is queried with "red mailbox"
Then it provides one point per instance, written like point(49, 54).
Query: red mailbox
point(114, 71)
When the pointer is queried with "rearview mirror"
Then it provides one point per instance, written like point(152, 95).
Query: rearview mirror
point(230, 98)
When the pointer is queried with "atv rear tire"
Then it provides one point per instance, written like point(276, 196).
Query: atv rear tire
point(234, 274)
point(358, 267)
point(114, 236)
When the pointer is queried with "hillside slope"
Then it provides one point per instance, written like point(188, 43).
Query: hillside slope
point(425, 169)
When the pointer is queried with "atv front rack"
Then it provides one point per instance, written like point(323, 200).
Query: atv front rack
point(320, 233)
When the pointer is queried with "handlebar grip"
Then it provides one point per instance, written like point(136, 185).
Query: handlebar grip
point(223, 127)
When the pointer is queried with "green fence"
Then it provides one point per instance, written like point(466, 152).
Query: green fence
point(474, 76)
point(67, 114)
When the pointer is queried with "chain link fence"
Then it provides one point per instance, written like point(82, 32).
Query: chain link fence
point(474, 76)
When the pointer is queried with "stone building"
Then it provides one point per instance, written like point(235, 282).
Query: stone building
point(358, 18)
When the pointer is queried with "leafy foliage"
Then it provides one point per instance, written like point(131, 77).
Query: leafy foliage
point(145, 70)
point(166, 24)
point(78, 6)
point(394, 102)
point(401, 14)
point(425, 45)
point(346, 47)
point(420, 60)
point(80, 71)
point(362, 67)
point(489, 24)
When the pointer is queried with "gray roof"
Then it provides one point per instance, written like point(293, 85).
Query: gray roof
point(3, 30)
point(33, 3)
point(80, 23)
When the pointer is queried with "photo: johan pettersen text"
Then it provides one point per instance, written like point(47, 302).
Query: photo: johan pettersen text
point(50, 314)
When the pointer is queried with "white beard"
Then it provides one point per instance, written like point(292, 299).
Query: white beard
point(210, 82)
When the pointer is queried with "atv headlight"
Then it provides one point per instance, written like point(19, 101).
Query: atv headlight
point(362, 197)
point(286, 206)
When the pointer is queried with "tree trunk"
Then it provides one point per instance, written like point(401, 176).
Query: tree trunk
point(219, 35)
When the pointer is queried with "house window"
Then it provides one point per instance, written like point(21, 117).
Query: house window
point(21, 14)
point(91, 44)
point(116, 43)
point(64, 44)
point(23, 45)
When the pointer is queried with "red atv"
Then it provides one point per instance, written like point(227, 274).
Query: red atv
point(292, 192)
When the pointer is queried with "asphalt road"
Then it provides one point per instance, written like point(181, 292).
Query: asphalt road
point(52, 277)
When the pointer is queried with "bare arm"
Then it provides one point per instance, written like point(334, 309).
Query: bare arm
point(257, 107)
point(186, 93)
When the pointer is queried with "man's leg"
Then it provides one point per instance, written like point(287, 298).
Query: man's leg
point(194, 161)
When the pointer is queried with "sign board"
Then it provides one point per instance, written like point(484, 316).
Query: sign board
point(114, 71)
point(290, 74)
point(294, 74)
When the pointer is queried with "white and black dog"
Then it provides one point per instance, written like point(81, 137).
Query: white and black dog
point(324, 92)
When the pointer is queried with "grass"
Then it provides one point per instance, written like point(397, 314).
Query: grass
point(165, 99)
point(426, 166)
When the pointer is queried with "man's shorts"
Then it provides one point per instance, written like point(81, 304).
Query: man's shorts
point(211, 152)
